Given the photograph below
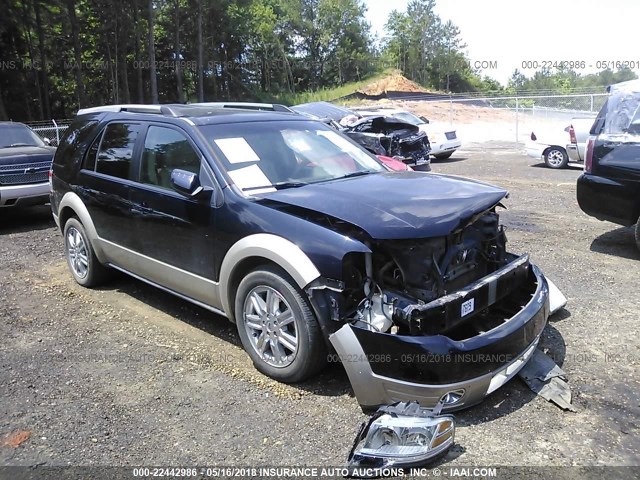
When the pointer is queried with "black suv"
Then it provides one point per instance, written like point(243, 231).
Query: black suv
point(308, 243)
point(609, 188)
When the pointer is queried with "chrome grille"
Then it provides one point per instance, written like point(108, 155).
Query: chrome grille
point(24, 173)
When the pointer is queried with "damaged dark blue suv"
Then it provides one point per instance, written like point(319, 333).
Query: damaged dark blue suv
point(308, 243)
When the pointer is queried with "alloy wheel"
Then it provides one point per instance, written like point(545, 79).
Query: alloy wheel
point(77, 252)
point(271, 326)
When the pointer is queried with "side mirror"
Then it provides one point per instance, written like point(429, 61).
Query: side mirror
point(424, 119)
point(186, 183)
point(46, 141)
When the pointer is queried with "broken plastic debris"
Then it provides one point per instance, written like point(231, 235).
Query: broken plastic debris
point(545, 378)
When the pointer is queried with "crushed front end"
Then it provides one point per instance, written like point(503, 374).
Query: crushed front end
point(447, 318)
point(393, 138)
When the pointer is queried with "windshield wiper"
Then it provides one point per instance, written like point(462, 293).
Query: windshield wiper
point(356, 174)
point(277, 186)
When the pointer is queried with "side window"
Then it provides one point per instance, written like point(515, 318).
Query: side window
point(116, 150)
point(166, 149)
point(598, 125)
point(92, 154)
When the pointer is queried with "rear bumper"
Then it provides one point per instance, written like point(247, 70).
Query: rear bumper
point(24, 195)
point(607, 199)
point(535, 150)
point(445, 147)
point(386, 368)
point(573, 153)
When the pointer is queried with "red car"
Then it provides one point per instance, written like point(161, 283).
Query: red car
point(394, 164)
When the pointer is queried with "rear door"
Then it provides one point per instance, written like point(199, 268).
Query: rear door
point(175, 231)
point(105, 182)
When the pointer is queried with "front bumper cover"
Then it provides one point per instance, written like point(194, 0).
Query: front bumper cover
point(386, 368)
point(24, 195)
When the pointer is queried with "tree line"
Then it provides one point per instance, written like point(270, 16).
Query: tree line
point(59, 55)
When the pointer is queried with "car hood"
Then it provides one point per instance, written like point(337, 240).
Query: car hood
point(396, 205)
point(19, 155)
point(383, 123)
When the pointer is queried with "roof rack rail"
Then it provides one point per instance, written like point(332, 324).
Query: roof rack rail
point(133, 108)
point(273, 107)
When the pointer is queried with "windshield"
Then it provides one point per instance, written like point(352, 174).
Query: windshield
point(18, 136)
point(265, 156)
point(408, 117)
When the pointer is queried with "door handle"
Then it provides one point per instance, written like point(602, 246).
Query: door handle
point(141, 209)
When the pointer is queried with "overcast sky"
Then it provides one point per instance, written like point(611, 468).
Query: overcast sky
point(510, 32)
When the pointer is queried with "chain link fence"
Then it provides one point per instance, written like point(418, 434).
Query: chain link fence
point(476, 119)
point(50, 129)
point(500, 118)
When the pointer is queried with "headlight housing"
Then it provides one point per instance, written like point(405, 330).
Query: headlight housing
point(403, 435)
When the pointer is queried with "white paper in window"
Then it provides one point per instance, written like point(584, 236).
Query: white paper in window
point(237, 150)
point(338, 140)
point(251, 177)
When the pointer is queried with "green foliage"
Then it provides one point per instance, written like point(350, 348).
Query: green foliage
point(250, 49)
point(59, 55)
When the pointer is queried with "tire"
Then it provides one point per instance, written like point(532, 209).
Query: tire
point(637, 232)
point(556, 157)
point(443, 156)
point(83, 263)
point(288, 352)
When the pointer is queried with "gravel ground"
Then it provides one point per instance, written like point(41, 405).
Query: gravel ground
point(126, 374)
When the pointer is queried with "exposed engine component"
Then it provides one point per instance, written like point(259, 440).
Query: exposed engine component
point(375, 314)
point(380, 288)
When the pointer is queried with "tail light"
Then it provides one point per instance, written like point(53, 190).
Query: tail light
point(572, 135)
point(533, 137)
point(588, 157)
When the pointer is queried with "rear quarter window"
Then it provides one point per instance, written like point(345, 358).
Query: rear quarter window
point(71, 144)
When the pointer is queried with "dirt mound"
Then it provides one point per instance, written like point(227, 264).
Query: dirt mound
point(395, 82)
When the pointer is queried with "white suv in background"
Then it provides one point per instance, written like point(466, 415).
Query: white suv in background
point(444, 140)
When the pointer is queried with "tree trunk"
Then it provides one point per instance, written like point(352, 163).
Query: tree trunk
point(3, 111)
point(46, 102)
point(138, 54)
point(29, 72)
point(200, 55)
point(77, 52)
point(152, 56)
point(121, 56)
point(176, 52)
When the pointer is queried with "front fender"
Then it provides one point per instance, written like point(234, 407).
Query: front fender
point(279, 250)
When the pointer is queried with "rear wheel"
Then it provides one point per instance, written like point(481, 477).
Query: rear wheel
point(443, 156)
point(83, 263)
point(556, 157)
point(277, 326)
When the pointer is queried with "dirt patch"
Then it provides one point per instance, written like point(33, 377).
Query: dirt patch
point(395, 82)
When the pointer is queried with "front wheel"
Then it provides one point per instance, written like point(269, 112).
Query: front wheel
point(277, 326)
point(556, 157)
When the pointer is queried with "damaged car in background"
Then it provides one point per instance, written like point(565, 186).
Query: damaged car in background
point(308, 243)
point(381, 134)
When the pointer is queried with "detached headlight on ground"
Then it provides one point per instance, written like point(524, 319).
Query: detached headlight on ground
point(402, 435)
